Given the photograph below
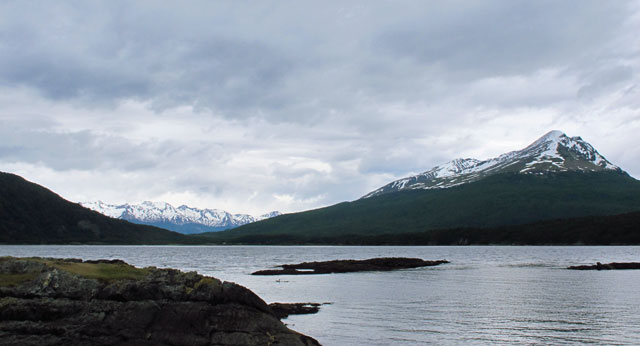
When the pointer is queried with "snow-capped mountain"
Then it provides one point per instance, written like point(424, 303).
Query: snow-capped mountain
point(553, 152)
point(182, 219)
point(267, 215)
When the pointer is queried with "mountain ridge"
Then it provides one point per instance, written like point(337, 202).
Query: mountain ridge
point(182, 219)
point(553, 152)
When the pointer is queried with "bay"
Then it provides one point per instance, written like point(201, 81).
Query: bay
point(500, 295)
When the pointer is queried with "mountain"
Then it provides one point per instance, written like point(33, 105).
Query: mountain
point(553, 152)
point(32, 214)
point(183, 219)
point(556, 177)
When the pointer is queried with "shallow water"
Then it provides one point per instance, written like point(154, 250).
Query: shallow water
point(488, 294)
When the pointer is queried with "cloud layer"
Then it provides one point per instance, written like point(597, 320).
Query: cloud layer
point(293, 105)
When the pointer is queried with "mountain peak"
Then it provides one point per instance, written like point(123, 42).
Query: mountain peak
point(549, 140)
point(553, 134)
point(553, 152)
point(157, 205)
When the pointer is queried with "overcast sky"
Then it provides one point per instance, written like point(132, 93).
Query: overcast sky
point(253, 106)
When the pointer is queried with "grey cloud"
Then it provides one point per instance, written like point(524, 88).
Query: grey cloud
point(65, 150)
point(69, 151)
point(497, 37)
point(106, 54)
point(91, 152)
point(287, 65)
point(604, 79)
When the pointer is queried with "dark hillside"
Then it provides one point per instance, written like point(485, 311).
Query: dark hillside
point(32, 214)
point(623, 229)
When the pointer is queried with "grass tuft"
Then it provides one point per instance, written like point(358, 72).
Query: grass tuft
point(204, 281)
point(8, 280)
point(108, 272)
point(102, 271)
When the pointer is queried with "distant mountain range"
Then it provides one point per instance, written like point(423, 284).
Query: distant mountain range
point(182, 219)
point(556, 177)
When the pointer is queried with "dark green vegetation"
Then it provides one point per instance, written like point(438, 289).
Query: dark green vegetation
point(621, 229)
point(11, 279)
point(32, 214)
point(500, 209)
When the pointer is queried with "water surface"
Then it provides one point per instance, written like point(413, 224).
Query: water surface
point(498, 295)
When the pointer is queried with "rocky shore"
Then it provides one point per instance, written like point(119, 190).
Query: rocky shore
point(608, 266)
point(349, 266)
point(45, 301)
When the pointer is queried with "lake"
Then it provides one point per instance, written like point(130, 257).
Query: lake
point(499, 295)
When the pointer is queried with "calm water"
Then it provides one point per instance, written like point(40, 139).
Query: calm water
point(487, 295)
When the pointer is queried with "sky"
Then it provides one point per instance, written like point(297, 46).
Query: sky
point(254, 106)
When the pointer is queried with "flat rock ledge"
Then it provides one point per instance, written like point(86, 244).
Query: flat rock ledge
point(47, 301)
point(608, 266)
point(349, 266)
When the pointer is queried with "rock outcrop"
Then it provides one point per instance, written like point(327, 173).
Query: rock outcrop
point(283, 310)
point(71, 302)
point(348, 266)
point(608, 266)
